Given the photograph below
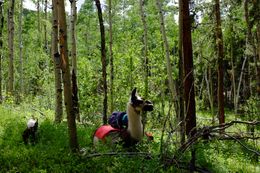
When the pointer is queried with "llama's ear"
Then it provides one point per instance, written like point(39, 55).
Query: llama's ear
point(133, 93)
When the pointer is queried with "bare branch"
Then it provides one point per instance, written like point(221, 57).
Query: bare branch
point(249, 149)
point(236, 137)
point(208, 130)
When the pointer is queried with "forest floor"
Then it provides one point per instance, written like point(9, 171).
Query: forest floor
point(51, 153)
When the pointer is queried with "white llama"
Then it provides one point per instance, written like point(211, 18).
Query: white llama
point(134, 132)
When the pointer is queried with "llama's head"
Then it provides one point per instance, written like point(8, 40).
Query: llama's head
point(32, 124)
point(139, 103)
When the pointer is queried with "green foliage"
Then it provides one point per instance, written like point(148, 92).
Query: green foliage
point(252, 108)
point(251, 112)
point(127, 52)
point(226, 156)
point(52, 154)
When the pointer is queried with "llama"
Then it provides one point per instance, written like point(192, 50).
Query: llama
point(30, 131)
point(134, 132)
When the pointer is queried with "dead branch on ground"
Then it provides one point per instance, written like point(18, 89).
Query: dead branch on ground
point(214, 131)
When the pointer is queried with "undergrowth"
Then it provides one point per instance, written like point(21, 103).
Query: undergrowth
point(51, 153)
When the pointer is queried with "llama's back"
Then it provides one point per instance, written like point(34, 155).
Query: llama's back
point(111, 137)
point(106, 133)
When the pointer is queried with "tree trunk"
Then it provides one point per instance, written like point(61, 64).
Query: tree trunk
point(75, 98)
point(180, 79)
point(56, 62)
point(10, 87)
point(74, 57)
point(236, 89)
point(145, 55)
point(73, 34)
point(1, 47)
point(45, 26)
point(220, 53)
point(233, 79)
point(258, 58)
point(39, 29)
point(188, 72)
point(67, 78)
point(209, 91)
point(38, 17)
point(21, 48)
point(233, 67)
point(252, 18)
point(249, 45)
point(248, 39)
point(103, 59)
point(188, 80)
point(239, 84)
point(172, 84)
point(145, 47)
point(111, 56)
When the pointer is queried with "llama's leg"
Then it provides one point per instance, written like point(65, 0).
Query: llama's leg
point(33, 137)
point(25, 136)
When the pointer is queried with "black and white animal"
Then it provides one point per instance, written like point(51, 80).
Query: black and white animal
point(134, 132)
point(29, 134)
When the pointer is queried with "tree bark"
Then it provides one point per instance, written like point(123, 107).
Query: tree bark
point(10, 87)
point(75, 99)
point(74, 58)
point(189, 95)
point(38, 17)
point(45, 26)
point(233, 67)
point(258, 59)
point(145, 47)
point(103, 59)
point(111, 56)
point(67, 78)
point(188, 72)
point(180, 79)
point(239, 84)
point(145, 56)
point(1, 47)
point(21, 48)
point(209, 91)
point(56, 63)
point(220, 53)
point(73, 34)
point(39, 29)
point(249, 45)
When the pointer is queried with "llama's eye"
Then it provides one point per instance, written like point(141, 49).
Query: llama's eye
point(139, 102)
point(148, 102)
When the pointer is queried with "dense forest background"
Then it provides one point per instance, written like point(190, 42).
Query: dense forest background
point(65, 70)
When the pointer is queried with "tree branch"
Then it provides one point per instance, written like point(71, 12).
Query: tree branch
point(249, 149)
point(208, 130)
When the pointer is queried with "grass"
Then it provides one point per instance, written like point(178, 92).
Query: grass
point(52, 154)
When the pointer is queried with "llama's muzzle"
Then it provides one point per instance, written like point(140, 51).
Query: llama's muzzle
point(148, 106)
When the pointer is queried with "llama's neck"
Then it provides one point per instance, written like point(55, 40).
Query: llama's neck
point(135, 126)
